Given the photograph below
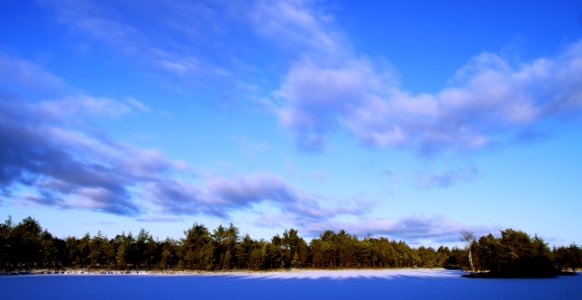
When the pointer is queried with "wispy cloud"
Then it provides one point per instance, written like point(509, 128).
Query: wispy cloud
point(249, 147)
point(319, 175)
point(298, 27)
point(447, 178)
point(137, 104)
point(221, 196)
point(24, 80)
point(116, 25)
point(413, 229)
point(160, 219)
point(21, 76)
point(85, 105)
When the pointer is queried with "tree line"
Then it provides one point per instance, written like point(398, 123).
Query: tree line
point(27, 245)
point(517, 254)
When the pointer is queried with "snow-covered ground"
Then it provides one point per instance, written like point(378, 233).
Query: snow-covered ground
point(300, 285)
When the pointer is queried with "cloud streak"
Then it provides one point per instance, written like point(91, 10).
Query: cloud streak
point(447, 178)
point(413, 229)
point(94, 22)
point(22, 78)
point(219, 197)
point(297, 27)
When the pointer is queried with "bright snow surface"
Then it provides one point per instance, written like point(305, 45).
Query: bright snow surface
point(382, 284)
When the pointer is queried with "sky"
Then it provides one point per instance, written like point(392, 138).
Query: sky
point(412, 120)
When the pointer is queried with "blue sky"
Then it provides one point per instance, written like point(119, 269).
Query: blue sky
point(407, 119)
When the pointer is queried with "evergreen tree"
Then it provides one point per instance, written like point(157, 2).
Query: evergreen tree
point(194, 248)
point(6, 244)
point(514, 253)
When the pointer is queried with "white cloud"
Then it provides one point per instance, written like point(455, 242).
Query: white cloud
point(487, 102)
point(314, 98)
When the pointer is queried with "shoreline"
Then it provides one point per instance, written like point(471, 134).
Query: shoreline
point(82, 272)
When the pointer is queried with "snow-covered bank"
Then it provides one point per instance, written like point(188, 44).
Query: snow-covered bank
point(292, 273)
point(344, 284)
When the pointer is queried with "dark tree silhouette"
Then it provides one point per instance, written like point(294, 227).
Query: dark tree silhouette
point(27, 245)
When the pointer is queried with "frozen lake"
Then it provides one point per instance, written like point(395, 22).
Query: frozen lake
point(384, 284)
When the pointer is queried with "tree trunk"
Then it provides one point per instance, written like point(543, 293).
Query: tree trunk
point(471, 260)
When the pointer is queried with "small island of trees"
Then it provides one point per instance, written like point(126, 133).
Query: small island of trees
point(27, 246)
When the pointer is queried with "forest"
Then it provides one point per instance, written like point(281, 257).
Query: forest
point(27, 246)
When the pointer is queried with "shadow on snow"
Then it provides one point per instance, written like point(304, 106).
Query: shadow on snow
point(290, 285)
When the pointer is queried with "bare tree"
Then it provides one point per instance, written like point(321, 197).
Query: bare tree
point(469, 237)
